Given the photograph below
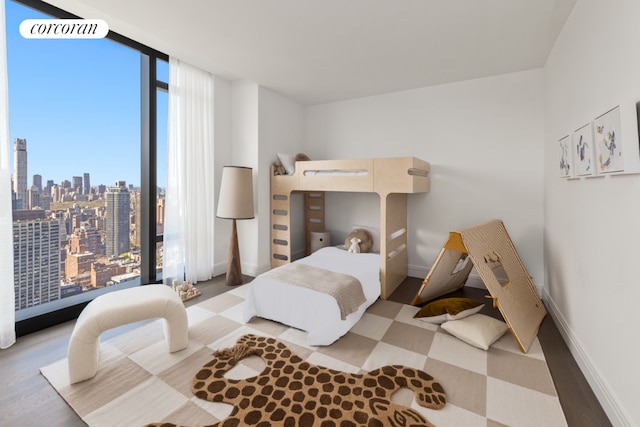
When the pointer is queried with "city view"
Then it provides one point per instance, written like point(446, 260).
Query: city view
point(71, 236)
point(75, 123)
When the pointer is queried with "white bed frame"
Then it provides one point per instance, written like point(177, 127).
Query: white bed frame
point(391, 178)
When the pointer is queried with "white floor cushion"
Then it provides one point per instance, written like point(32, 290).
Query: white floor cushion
point(479, 330)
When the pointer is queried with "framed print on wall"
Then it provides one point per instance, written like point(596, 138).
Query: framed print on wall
point(608, 143)
point(566, 157)
point(583, 152)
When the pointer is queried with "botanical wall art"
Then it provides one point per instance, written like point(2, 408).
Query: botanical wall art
point(583, 151)
point(608, 143)
point(566, 158)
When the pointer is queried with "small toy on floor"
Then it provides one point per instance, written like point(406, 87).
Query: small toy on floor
point(185, 290)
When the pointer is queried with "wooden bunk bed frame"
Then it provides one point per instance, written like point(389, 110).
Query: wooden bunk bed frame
point(391, 178)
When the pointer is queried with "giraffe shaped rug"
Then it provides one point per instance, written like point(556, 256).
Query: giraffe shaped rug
point(293, 392)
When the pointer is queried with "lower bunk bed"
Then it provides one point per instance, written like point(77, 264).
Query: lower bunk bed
point(311, 310)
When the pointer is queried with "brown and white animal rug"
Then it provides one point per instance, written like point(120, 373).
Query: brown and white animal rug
point(293, 392)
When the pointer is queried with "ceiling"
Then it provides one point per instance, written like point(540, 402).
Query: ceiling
point(317, 51)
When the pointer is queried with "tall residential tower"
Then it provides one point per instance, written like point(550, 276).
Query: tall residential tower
point(36, 258)
point(20, 172)
point(86, 183)
point(117, 219)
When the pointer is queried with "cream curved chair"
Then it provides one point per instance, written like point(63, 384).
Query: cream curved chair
point(119, 308)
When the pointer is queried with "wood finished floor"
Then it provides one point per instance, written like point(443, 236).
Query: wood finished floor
point(27, 399)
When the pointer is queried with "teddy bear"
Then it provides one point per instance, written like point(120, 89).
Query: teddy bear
point(301, 157)
point(278, 168)
point(355, 247)
point(365, 240)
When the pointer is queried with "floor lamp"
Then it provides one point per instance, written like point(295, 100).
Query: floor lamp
point(235, 202)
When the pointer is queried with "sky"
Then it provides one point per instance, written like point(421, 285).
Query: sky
point(77, 103)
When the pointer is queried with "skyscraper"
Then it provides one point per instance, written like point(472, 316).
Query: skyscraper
point(33, 198)
point(47, 189)
point(117, 219)
point(37, 181)
point(36, 258)
point(76, 184)
point(86, 183)
point(137, 238)
point(20, 172)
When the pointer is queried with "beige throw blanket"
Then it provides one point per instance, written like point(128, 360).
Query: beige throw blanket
point(346, 289)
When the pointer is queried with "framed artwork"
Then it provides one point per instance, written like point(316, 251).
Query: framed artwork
point(566, 157)
point(582, 144)
point(608, 143)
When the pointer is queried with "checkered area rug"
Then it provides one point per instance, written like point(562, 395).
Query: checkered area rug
point(139, 382)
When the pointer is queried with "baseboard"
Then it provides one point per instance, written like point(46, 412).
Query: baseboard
point(247, 269)
point(474, 281)
point(616, 414)
point(219, 269)
point(254, 270)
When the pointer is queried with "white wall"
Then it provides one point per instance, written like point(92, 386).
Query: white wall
point(244, 152)
point(592, 226)
point(264, 123)
point(222, 156)
point(281, 130)
point(483, 139)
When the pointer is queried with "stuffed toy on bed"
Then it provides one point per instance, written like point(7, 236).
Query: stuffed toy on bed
point(363, 244)
point(355, 245)
point(278, 168)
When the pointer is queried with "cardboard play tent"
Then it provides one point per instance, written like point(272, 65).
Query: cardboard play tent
point(489, 249)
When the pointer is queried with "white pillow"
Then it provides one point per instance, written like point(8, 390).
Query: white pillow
point(289, 162)
point(479, 330)
point(375, 235)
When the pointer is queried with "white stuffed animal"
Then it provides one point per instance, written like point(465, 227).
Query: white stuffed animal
point(355, 247)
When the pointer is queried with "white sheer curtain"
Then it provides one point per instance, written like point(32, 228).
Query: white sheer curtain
point(189, 204)
point(7, 296)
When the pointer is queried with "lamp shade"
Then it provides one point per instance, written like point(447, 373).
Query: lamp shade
point(236, 193)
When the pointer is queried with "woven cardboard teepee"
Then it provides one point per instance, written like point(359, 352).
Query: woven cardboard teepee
point(489, 249)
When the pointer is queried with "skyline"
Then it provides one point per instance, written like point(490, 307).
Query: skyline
point(77, 103)
point(30, 176)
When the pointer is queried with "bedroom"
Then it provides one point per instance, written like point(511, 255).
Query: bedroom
point(492, 145)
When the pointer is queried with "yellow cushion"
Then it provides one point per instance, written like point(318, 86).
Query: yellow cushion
point(446, 309)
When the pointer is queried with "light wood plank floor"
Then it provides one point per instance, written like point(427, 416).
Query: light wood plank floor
point(27, 399)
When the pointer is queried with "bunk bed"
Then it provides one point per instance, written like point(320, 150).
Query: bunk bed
point(392, 178)
point(314, 311)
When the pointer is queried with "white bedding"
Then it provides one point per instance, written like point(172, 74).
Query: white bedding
point(309, 310)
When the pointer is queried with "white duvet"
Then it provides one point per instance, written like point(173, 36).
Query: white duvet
point(309, 310)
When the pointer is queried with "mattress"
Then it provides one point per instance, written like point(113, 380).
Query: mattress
point(314, 312)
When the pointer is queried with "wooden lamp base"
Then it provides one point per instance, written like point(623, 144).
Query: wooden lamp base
point(234, 271)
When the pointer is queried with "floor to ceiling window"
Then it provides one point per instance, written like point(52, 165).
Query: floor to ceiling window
point(85, 119)
point(162, 114)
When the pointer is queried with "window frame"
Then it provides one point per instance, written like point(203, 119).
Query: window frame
point(148, 168)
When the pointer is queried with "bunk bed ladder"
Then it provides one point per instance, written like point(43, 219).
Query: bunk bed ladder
point(313, 216)
point(280, 229)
